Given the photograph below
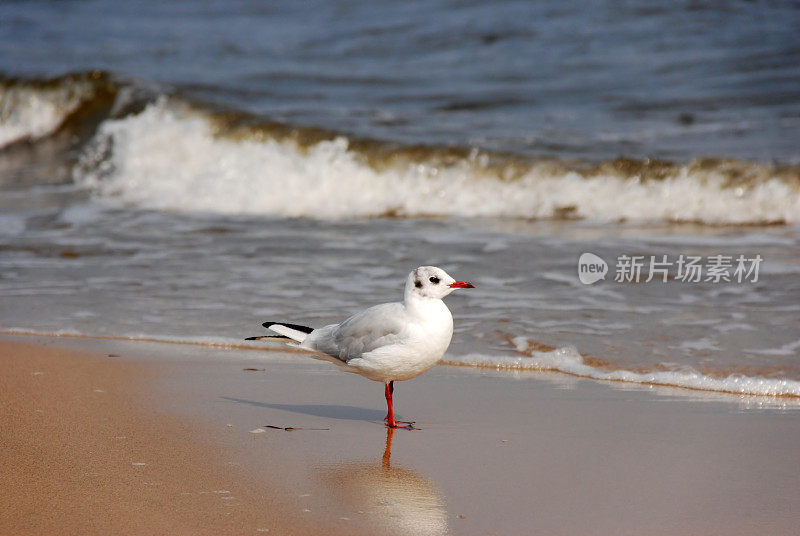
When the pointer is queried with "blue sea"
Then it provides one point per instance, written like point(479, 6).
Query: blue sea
point(184, 171)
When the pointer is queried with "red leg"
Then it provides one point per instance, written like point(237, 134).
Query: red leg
point(388, 393)
point(390, 420)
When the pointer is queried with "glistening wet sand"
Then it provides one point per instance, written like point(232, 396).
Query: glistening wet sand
point(496, 454)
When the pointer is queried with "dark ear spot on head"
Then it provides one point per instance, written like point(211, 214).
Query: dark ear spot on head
point(418, 283)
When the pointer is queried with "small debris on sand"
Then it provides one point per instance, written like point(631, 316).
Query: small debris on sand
point(291, 428)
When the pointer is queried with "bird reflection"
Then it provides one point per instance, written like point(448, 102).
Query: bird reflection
point(389, 498)
point(387, 452)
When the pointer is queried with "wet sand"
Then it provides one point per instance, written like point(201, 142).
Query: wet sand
point(84, 451)
point(495, 453)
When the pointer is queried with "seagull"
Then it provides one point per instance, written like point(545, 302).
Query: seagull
point(388, 342)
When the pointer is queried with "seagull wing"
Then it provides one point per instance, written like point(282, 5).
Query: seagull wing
point(363, 332)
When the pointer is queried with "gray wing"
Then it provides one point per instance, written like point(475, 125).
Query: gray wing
point(363, 332)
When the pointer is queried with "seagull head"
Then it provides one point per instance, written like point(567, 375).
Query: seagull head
point(432, 282)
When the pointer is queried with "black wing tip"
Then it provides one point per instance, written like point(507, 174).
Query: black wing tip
point(304, 329)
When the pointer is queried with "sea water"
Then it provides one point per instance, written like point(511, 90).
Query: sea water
point(187, 171)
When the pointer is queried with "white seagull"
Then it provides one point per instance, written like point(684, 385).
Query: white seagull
point(388, 342)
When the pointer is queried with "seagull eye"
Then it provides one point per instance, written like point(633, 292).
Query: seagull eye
point(434, 280)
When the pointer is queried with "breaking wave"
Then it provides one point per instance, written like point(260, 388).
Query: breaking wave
point(34, 109)
point(167, 153)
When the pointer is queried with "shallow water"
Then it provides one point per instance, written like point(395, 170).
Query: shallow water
point(124, 272)
point(297, 167)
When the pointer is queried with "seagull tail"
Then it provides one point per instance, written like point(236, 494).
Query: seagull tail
point(289, 331)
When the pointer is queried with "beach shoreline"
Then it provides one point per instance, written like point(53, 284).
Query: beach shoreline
point(495, 453)
point(620, 184)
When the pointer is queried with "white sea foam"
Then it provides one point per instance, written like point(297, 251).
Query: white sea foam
point(168, 158)
point(31, 111)
point(569, 361)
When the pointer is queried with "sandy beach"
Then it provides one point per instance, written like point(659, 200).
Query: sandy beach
point(84, 452)
point(176, 439)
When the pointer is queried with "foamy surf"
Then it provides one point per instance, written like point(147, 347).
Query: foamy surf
point(569, 361)
point(176, 157)
point(35, 109)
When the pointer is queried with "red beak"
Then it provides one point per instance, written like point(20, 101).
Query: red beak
point(461, 284)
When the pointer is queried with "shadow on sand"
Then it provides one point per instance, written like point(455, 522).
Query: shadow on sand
point(349, 413)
